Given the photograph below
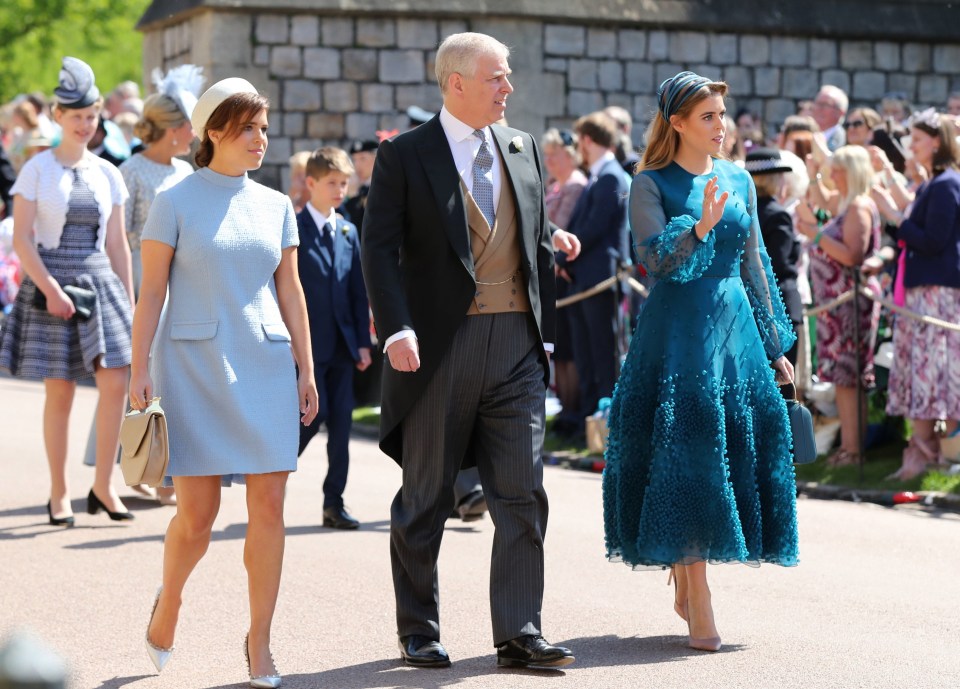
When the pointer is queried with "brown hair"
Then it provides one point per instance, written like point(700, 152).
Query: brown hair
point(160, 113)
point(663, 141)
point(870, 117)
point(328, 159)
point(229, 118)
point(947, 155)
point(600, 127)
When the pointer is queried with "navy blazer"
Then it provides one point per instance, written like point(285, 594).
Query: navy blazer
point(336, 296)
point(932, 233)
point(599, 221)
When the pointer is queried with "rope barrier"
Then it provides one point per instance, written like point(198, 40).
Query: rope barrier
point(813, 311)
point(602, 287)
point(927, 320)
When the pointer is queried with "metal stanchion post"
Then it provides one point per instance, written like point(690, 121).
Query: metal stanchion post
point(861, 398)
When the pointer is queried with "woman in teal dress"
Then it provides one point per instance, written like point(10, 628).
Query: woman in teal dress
point(699, 462)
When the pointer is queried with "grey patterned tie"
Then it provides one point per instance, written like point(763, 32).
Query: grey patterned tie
point(482, 186)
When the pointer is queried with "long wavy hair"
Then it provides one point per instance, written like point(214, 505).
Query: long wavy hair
point(663, 141)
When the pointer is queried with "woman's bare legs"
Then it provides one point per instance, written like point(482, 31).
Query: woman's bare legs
point(847, 409)
point(680, 591)
point(56, 420)
point(188, 537)
point(700, 609)
point(263, 557)
point(112, 386)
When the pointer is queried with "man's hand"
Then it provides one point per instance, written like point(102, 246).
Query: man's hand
point(404, 355)
point(365, 359)
point(567, 243)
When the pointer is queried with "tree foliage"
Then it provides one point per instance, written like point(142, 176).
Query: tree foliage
point(35, 34)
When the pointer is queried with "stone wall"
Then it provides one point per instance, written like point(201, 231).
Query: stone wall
point(334, 78)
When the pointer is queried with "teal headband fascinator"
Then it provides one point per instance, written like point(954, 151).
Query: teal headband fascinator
point(675, 91)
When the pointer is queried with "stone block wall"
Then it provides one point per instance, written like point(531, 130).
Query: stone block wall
point(333, 79)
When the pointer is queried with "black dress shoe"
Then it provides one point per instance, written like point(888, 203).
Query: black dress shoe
point(94, 505)
point(339, 518)
point(422, 651)
point(472, 507)
point(532, 652)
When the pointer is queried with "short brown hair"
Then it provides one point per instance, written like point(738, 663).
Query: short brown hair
point(947, 155)
point(600, 127)
point(328, 159)
point(228, 118)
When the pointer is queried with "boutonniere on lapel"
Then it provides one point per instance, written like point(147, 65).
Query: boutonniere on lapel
point(345, 230)
point(516, 145)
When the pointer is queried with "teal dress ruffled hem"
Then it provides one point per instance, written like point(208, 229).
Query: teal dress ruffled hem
point(698, 460)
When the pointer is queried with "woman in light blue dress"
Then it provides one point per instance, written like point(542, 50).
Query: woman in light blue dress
point(699, 462)
point(234, 326)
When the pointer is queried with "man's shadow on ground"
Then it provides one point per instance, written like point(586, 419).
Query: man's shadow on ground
point(591, 652)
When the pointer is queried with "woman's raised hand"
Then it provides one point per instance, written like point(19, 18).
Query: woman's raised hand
point(713, 206)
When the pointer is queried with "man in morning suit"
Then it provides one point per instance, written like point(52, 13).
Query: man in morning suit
point(458, 260)
point(329, 265)
point(599, 219)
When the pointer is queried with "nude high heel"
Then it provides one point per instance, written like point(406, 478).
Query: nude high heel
point(158, 655)
point(680, 610)
point(263, 681)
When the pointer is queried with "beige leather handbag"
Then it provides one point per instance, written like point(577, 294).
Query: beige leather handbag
point(145, 449)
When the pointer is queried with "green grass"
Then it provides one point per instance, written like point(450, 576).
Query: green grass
point(366, 416)
point(881, 462)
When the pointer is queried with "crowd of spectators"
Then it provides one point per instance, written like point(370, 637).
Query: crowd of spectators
point(870, 190)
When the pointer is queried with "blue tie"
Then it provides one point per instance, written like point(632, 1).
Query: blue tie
point(482, 186)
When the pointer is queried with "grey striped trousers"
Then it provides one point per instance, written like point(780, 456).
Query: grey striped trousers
point(488, 395)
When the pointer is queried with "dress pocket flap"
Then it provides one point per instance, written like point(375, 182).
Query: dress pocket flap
point(195, 330)
point(276, 331)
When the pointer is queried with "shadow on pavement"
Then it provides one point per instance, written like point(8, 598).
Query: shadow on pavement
point(393, 673)
point(229, 533)
point(118, 682)
point(605, 651)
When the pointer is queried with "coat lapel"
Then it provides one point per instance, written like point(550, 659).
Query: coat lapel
point(445, 184)
point(518, 177)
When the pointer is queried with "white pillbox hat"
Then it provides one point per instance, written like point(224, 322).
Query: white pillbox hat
point(213, 97)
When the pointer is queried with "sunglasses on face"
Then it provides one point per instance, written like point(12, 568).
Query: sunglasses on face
point(854, 123)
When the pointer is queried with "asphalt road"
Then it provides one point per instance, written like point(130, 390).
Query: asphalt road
point(875, 602)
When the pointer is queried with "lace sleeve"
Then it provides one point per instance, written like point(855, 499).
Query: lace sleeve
point(669, 250)
point(775, 328)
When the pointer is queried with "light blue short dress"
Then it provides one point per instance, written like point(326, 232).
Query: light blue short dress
point(222, 361)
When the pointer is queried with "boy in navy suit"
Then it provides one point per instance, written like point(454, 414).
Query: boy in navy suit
point(329, 264)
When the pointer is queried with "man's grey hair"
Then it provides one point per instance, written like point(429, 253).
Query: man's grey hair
point(836, 94)
point(458, 54)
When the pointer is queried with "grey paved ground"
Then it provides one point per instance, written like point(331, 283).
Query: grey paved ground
point(874, 604)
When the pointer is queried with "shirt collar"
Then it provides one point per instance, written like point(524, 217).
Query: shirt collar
point(320, 220)
point(600, 162)
point(455, 128)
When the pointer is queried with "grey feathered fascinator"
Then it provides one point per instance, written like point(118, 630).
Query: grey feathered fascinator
point(182, 84)
point(77, 88)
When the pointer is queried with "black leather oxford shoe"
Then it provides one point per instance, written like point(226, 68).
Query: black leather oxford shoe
point(532, 652)
point(421, 651)
point(339, 518)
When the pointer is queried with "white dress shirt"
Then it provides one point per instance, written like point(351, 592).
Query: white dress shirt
point(599, 163)
point(320, 220)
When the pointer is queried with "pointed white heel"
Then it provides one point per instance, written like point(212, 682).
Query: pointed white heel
point(263, 681)
point(158, 655)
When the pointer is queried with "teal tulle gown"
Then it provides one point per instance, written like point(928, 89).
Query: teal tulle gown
point(698, 461)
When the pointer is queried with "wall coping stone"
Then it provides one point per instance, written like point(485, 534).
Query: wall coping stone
point(899, 19)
